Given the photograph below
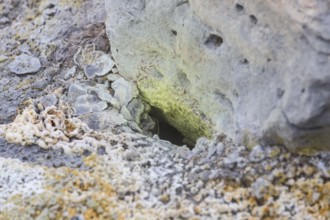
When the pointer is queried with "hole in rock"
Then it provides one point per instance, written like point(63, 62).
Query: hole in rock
point(245, 61)
point(174, 32)
point(166, 131)
point(239, 7)
point(213, 41)
point(50, 6)
point(253, 19)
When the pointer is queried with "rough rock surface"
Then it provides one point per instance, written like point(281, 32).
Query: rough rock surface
point(73, 143)
point(258, 71)
point(126, 175)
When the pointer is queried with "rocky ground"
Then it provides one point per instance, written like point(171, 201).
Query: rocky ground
point(77, 141)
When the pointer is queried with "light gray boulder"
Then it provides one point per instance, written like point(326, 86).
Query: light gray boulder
point(258, 71)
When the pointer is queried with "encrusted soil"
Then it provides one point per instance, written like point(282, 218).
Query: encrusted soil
point(77, 142)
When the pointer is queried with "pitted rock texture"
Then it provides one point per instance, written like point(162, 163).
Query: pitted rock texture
point(256, 71)
point(37, 42)
point(35, 155)
point(128, 176)
point(72, 147)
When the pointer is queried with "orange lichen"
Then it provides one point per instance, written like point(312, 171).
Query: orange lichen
point(91, 160)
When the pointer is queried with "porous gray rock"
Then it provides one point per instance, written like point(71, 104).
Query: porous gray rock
point(256, 71)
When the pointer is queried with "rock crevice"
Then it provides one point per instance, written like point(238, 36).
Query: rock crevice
point(237, 60)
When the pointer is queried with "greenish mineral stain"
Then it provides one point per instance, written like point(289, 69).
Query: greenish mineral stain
point(175, 108)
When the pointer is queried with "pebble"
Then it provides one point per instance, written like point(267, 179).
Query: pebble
point(70, 72)
point(257, 154)
point(91, 102)
point(94, 63)
point(24, 64)
point(3, 58)
point(48, 100)
point(260, 188)
point(123, 91)
point(76, 90)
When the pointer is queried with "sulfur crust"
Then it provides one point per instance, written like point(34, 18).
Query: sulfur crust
point(175, 108)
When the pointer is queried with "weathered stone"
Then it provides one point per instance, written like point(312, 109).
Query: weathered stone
point(48, 100)
point(88, 104)
point(93, 62)
point(76, 90)
point(123, 91)
point(258, 72)
point(24, 64)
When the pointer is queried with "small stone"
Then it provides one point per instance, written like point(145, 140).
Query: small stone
point(113, 77)
point(40, 84)
point(94, 63)
point(90, 103)
point(104, 94)
point(197, 210)
point(136, 109)
point(24, 64)
point(273, 151)
point(184, 152)
point(99, 120)
point(81, 109)
point(48, 100)
point(76, 90)
point(115, 70)
point(233, 159)
point(257, 154)
point(134, 126)
point(3, 58)
point(220, 149)
point(4, 20)
point(105, 64)
point(70, 72)
point(131, 155)
point(261, 187)
point(101, 151)
point(123, 91)
point(115, 117)
point(205, 175)
point(315, 196)
point(25, 48)
point(43, 215)
point(90, 71)
point(165, 198)
point(127, 115)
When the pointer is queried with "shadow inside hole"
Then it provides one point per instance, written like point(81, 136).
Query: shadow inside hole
point(174, 32)
point(213, 41)
point(239, 7)
point(166, 131)
point(253, 19)
point(170, 133)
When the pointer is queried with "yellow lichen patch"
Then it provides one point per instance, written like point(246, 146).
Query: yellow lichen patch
point(82, 192)
point(69, 126)
point(90, 214)
point(176, 108)
point(24, 84)
point(91, 160)
point(72, 3)
point(248, 140)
